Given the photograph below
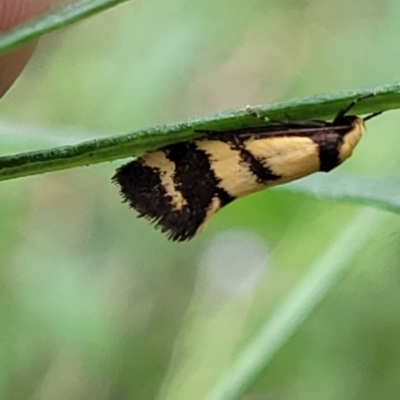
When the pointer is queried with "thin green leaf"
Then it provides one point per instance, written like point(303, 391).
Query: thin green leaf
point(135, 144)
point(51, 21)
point(297, 307)
point(349, 188)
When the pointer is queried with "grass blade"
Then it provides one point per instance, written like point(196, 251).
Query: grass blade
point(135, 144)
point(51, 21)
point(297, 307)
point(351, 189)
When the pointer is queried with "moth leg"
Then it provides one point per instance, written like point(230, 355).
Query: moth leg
point(257, 113)
point(261, 115)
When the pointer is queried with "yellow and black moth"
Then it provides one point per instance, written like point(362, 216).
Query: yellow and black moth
point(180, 186)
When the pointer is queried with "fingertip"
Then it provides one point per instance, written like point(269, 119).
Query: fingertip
point(12, 13)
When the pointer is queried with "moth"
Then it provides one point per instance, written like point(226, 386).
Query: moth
point(181, 186)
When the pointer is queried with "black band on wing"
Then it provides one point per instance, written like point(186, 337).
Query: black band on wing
point(329, 147)
point(261, 172)
point(142, 188)
point(195, 179)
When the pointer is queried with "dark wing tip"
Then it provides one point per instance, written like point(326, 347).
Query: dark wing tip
point(141, 186)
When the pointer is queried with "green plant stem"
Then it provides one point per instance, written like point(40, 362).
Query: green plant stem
point(135, 144)
point(297, 307)
point(51, 21)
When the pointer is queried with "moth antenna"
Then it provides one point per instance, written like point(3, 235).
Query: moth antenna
point(373, 115)
point(346, 109)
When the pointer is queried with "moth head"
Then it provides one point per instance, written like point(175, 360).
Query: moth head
point(351, 137)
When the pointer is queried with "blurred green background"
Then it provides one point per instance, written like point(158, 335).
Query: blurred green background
point(96, 304)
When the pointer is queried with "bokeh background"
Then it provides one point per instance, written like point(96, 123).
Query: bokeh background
point(96, 304)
